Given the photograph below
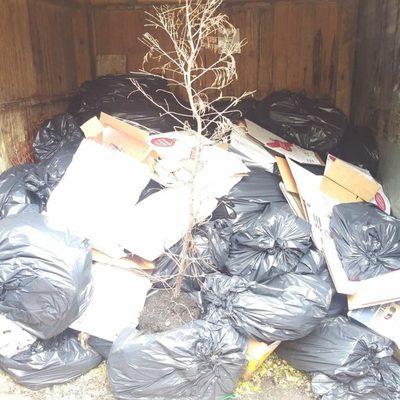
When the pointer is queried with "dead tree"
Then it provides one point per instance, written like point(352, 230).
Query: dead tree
point(189, 30)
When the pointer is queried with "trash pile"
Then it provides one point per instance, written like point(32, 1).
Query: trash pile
point(293, 247)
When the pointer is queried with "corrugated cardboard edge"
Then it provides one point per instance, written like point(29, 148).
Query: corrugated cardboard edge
point(338, 274)
point(379, 290)
point(135, 263)
point(122, 126)
point(350, 179)
point(286, 174)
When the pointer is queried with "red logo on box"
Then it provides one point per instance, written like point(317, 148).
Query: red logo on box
point(380, 202)
point(279, 143)
point(163, 142)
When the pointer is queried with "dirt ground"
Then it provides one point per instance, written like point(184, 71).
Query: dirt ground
point(274, 381)
point(161, 312)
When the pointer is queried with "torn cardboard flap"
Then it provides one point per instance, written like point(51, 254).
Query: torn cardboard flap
point(379, 290)
point(286, 174)
point(114, 133)
point(345, 183)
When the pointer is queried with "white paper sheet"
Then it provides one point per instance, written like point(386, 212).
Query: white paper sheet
point(117, 301)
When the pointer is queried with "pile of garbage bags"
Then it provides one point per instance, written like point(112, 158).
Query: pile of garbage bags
point(348, 360)
point(315, 124)
point(254, 266)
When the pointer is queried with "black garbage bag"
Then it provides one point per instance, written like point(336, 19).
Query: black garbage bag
point(55, 133)
point(15, 197)
point(270, 245)
point(248, 198)
point(46, 175)
point(101, 346)
point(211, 243)
point(289, 307)
point(338, 348)
point(313, 124)
point(364, 388)
point(367, 240)
point(312, 262)
point(200, 361)
point(117, 96)
point(45, 274)
point(49, 362)
point(359, 147)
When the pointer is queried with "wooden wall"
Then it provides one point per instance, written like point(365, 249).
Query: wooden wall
point(44, 46)
point(376, 93)
point(298, 44)
point(49, 47)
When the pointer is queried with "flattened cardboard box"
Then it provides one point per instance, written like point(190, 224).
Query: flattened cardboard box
point(112, 132)
point(346, 184)
point(276, 144)
point(370, 292)
point(383, 319)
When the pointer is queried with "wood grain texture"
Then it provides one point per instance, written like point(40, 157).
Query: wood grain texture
point(376, 94)
point(292, 44)
point(17, 74)
point(45, 56)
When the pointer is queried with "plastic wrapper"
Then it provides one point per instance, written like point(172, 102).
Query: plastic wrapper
point(45, 274)
point(211, 242)
point(15, 197)
point(312, 124)
point(270, 245)
point(199, 361)
point(56, 133)
point(367, 240)
point(48, 362)
point(288, 308)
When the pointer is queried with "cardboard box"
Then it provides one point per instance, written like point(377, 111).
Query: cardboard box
point(347, 183)
point(368, 292)
point(383, 319)
point(114, 133)
point(281, 146)
point(317, 208)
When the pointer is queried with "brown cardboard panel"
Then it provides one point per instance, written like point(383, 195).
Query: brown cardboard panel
point(354, 181)
point(337, 192)
point(287, 177)
point(137, 133)
point(127, 138)
point(379, 290)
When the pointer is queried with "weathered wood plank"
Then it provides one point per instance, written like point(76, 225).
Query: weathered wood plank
point(17, 74)
point(376, 97)
point(347, 35)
